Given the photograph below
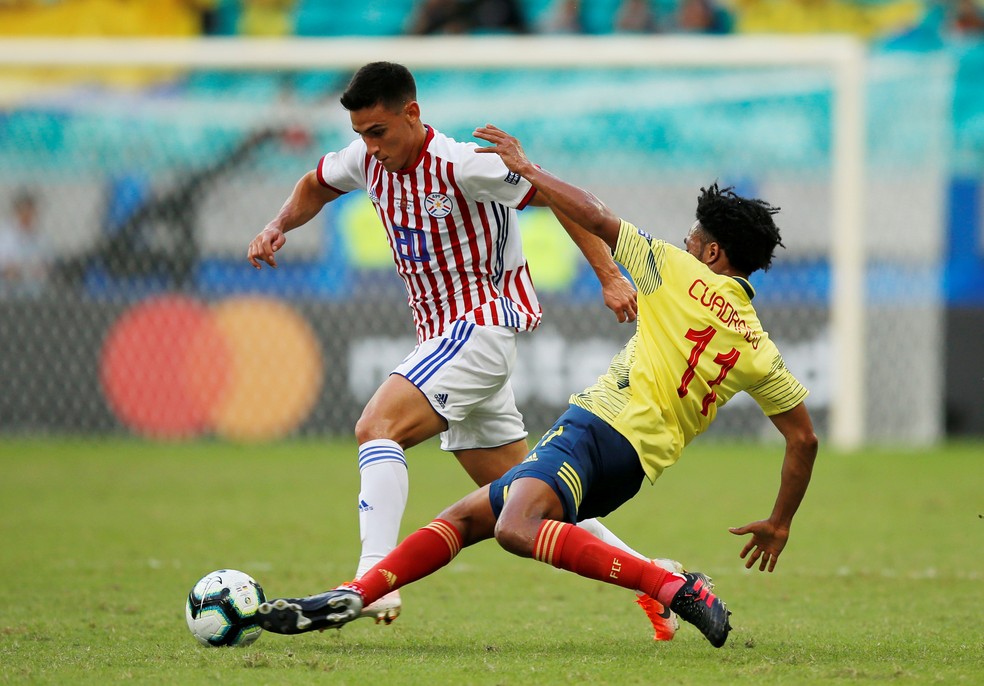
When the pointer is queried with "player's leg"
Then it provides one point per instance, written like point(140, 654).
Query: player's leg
point(423, 552)
point(663, 619)
point(396, 418)
point(434, 388)
point(420, 554)
point(583, 467)
point(485, 465)
point(498, 416)
point(494, 418)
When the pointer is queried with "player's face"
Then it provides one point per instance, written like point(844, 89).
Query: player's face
point(393, 138)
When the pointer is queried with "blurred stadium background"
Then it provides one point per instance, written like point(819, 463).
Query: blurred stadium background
point(127, 307)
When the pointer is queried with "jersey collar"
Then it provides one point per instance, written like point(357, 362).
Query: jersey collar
point(423, 149)
point(746, 286)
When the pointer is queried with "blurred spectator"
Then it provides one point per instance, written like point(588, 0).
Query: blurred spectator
point(564, 17)
point(106, 18)
point(867, 20)
point(497, 16)
point(266, 18)
point(636, 16)
point(436, 16)
point(24, 257)
point(467, 16)
point(966, 18)
point(702, 16)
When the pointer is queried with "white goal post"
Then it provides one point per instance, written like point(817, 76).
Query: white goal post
point(844, 57)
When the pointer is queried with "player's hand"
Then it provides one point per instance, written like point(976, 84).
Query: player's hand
point(766, 544)
point(261, 248)
point(620, 298)
point(506, 146)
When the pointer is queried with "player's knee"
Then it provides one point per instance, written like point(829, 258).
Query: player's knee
point(471, 522)
point(374, 425)
point(368, 429)
point(407, 423)
point(516, 535)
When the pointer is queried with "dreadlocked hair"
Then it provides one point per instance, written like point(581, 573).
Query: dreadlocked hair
point(743, 226)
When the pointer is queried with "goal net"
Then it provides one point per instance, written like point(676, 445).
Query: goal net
point(150, 165)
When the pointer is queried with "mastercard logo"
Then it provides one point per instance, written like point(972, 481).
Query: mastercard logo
point(245, 368)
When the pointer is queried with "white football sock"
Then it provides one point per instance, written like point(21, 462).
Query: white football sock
point(599, 530)
point(382, 499)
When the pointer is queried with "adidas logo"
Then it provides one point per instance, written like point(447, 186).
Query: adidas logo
point(389, 576)
point(441, 398)
point(364, 506)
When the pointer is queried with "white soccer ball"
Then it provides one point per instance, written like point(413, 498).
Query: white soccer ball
point(221, 609)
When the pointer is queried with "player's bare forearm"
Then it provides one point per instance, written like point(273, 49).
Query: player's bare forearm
point(797, 465)
point(581, 206)
point(769, 536)
point(303, 204)
point(618, 292)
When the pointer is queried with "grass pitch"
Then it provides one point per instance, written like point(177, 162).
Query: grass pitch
point(100, 542)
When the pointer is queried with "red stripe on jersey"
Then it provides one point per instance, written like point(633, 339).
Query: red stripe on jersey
point(427, 294)
point(489, 289)
point(482, 287)
point(434, 167)
point(413, 281)
point(465, 275)
point(517, 289)
point(474, 270)
point(527, 199)
point(435, 293)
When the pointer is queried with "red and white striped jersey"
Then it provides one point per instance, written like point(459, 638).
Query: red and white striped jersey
point(451, 223)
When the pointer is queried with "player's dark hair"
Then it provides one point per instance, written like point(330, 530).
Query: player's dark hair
point(742, 226)
point(380, 82)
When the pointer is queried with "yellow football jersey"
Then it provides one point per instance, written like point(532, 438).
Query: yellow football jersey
point(698, 342)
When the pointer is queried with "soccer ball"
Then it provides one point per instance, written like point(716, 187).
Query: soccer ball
point(221, 609)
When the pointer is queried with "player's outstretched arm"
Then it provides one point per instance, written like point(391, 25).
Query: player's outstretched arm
point(769, 536)
point(585, 218)
point(618, 292)
point(303, 204)
point(580, 206)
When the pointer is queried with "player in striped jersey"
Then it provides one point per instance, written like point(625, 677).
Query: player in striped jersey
point(698, 343)
point(450, 219)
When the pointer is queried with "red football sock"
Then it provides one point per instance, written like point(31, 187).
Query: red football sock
point(421, 553)
point(568, 547)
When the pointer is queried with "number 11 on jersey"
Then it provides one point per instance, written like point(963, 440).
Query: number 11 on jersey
point(727, 361)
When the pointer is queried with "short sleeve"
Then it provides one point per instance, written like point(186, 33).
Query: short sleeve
point(779, 391)
point(641, 255)
point(485, 178)
point(345, 170)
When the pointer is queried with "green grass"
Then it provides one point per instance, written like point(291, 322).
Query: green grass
point(100, 542)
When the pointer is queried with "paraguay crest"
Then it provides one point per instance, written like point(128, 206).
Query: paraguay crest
point(438, 205)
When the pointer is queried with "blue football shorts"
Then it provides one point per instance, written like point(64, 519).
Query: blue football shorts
point(591, 467)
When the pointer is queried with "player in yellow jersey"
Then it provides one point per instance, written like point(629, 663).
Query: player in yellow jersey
point(698, 343)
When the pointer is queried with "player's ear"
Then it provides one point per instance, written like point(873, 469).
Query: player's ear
point(714, 252)
point(412, 111)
